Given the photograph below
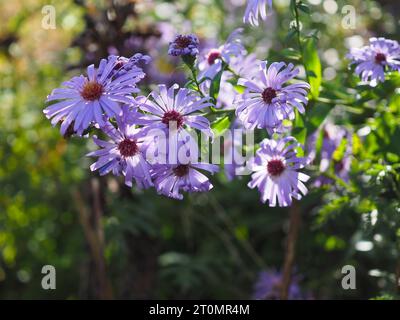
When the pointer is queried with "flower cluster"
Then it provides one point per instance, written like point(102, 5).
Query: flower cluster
point(151, 137)
point(141, 130)
point(103, 100)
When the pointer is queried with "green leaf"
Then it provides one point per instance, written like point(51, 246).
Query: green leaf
point(316, 115)
point(312, 64)
point(292, 32)
point(299, 131)
point(239, 89)
point(290, 53)
point(303, 7)
point(215, 84)
point(221, 125)
point(293, 6)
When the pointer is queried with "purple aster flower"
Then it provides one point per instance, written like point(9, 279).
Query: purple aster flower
point(266, 101)
point(85, 100)
point(184, 45)
point(275, 172)
point(254, 9)
point(175, 105)
point(170, 180)
point(124, 154)
point(333, 137)
point(268, 287)
point(212, 58)
point(373, 60)
point(123, 65)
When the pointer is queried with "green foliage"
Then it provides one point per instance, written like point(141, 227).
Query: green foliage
point(313, 67)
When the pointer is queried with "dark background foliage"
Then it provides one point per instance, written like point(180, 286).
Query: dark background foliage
point(106, 240)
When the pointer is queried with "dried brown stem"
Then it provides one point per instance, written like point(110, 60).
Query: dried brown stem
point(294, 226)
point(94, 236)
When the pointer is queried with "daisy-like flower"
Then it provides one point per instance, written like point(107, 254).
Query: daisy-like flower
point(122, 64)
point(124, 154)
point(173, 106)
point(85, 99)
point(184, 45)
point(212, 58)
point(275, 172)
point(171, 180)
point(256, 9)
point(266, 101)
point(373, 60)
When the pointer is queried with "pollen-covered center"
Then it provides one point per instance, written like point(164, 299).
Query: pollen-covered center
point(92, 91)
point(213, 55)
point(182, 42)
point(275, 167)
point(268, 94)
point(128, 148)
point(379, 58)
point(181, 170)
point(173, 116)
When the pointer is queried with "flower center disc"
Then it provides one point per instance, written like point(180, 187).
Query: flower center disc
point(128, 148)
point(268, 94)
point(181, 170)
point(379, 58)
point(173, 116)
point(92, 91)
point(213, 55)
point(275, 167)
point(182, 42)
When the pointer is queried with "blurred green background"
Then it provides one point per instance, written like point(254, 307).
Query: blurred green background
point(106, 240)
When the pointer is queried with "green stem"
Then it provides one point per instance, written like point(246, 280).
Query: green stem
point(189, 61)
point(297, 18)
point(194, 75)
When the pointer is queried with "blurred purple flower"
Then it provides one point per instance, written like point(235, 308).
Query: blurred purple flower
point(85, 99)
point(275, 172)
point(170, 180)
point(333, 137)
point(241, 65)
point(372, 60)
point(266, 101)
point(234, 163)
point(184, 45)
point(125, 153)
point(245, 65)
point(256, 9)
point(173, 105)
point(268, 287)
point(211, 60)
